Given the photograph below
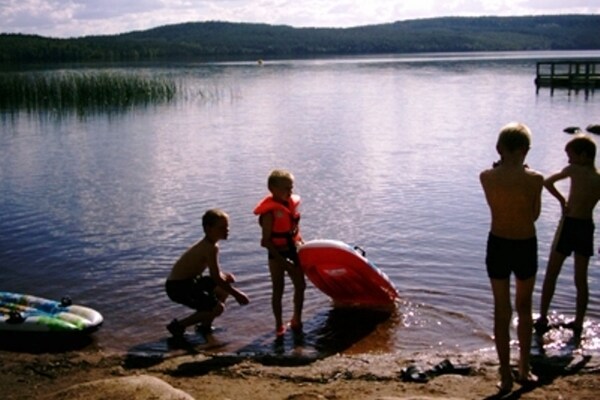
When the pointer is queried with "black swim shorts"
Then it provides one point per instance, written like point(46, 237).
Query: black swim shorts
point(291, 255)
point(197, 293)
point(509, 255)
point(576, 235)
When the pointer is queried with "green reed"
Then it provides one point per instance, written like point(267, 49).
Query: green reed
point(63, 91)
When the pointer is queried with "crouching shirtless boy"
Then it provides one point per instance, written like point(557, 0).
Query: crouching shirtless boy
point(205, 294)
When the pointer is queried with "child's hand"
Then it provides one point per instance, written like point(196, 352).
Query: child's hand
point(289, 265)
point(229, 278)
point(242, 299)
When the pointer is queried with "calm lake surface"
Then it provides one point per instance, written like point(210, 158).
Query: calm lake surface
point(386, 152)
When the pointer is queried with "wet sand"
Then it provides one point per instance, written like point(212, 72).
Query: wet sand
point(201, 373)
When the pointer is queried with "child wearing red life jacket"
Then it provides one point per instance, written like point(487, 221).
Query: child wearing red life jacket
point(279, 217)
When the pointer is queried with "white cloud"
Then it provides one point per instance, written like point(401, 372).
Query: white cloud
point(590, 6)
point(103, 9)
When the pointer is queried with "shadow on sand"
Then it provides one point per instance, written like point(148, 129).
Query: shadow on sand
point(44, 342)
point(547, 366)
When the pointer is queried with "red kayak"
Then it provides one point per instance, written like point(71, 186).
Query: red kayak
point(344, 274)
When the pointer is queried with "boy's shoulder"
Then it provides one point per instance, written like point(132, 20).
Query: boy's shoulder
point(499, 171)
point(534, 174)
point(489, 172)
point(587, 170)
point(203, 246)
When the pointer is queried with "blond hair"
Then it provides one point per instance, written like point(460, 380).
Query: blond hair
point(278, 177)
point(514, 136)
point(211, 217)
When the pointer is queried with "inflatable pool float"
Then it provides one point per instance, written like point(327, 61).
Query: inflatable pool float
point(346, 275)
point(27, 313)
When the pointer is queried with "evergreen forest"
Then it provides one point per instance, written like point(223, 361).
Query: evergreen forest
point(213, 40)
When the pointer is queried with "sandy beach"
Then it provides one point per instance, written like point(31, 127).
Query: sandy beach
point(97, 374)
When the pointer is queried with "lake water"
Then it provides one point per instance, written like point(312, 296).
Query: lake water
point(386, 152)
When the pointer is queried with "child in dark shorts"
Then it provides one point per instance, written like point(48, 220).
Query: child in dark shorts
point(196, 293)
point(506, 256)
point(279, 218)
point(513, 193)
point(575, 232)
point(204, 294)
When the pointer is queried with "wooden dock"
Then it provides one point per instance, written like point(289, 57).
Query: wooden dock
point(568, 74)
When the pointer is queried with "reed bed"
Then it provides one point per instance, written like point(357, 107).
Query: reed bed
point(64, 91)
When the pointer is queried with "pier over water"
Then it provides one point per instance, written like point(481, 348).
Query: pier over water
point(568, 74)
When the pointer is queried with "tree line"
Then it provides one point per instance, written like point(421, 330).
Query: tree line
point(222, 39)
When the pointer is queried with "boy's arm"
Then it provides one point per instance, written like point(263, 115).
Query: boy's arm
point(484, 180)
point(549, 185)
point(218, 278)
point(537, 206)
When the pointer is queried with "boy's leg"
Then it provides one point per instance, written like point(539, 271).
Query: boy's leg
point(206, 309)
point(502, 314)
point(277, 281)
point(581, 284)
point(202, 316)
point(299, 282)
point(206, 325)
point(552, 271)
point(221, 294)
point(523, 305)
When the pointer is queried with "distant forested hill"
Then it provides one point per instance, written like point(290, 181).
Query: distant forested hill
point(215, 39)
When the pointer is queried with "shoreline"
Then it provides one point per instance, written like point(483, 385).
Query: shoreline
point(95, 374)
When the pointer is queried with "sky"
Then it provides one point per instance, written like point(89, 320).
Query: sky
point(76, 18)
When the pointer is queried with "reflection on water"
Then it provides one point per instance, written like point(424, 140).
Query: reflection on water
point(328, 332)
point(340, 329)
point(561, 339)
point(386, 155)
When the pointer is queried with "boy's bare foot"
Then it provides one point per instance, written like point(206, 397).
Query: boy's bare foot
point(577, 330)
point(528, 380)
point(504, 387)
point(506, 383)
point(296, 326)
point(205, 329)
point(541, 325)
point(176, 329)
point(280, 331)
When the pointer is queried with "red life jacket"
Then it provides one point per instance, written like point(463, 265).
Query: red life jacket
point(285, 231)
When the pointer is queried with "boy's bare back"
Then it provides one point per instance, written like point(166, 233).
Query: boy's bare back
point(194, 260)
point(513, 194)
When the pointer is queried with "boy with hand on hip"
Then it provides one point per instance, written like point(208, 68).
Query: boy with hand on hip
point(575, 232)
point(205, 294)
point(513, 193)
point(279, 219)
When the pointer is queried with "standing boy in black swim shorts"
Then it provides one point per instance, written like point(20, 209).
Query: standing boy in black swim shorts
point(186, 285)
point(575, 232)
point(513, 193)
